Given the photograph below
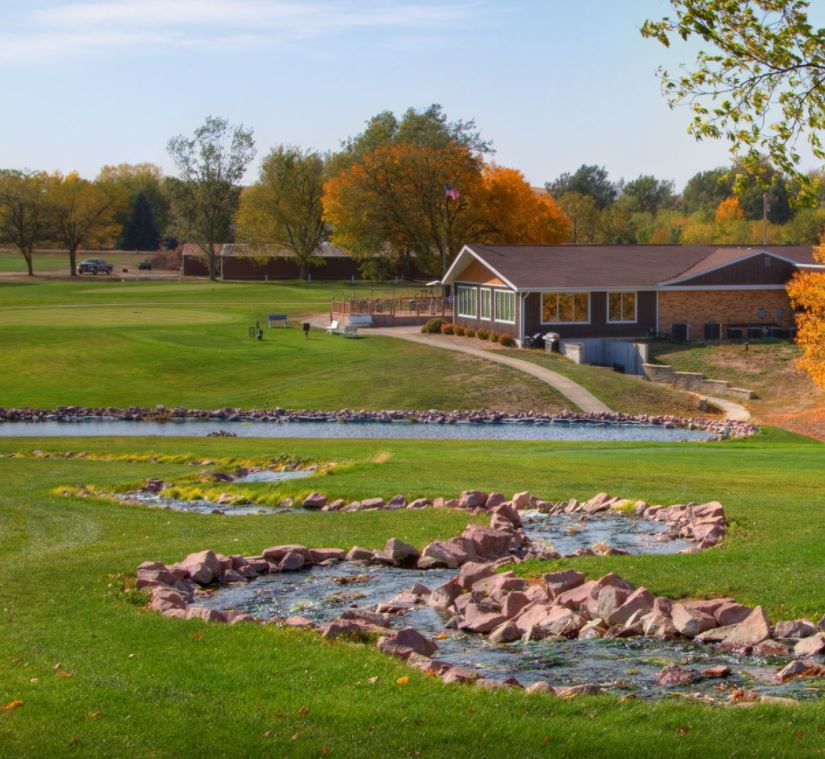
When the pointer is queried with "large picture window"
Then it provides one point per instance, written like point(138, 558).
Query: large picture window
point(506, 306)
point(565, 308)
point(485, 295)
point(621, 307)
point(467, 303)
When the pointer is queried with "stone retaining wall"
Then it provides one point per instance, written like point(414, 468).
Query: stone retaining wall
point(694, 381)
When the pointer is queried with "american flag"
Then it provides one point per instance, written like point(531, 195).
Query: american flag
point(451, 192)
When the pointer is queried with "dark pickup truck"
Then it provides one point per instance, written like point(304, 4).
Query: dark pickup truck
point(94, 266)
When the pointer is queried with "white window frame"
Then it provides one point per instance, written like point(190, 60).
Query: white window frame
point(564, 292)
point(469, 289)
point(482, 291)
point(635, 320)
point(512, 295)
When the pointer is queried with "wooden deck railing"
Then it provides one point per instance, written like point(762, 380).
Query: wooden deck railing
point(409, 306)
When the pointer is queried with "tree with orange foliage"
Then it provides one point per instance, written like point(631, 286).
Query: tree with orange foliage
point(729, 210)
point(807, 294)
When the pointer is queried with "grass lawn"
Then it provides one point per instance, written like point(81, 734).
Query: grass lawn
point(131, 683)
point(118, 343)
point(56, 262)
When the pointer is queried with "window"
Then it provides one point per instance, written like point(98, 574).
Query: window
point(486, 297)
point(565, 308)
point(505, 306)
point(467, 305)
point(621, 307)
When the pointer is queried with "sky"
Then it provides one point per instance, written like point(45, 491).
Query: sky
point(553, 83)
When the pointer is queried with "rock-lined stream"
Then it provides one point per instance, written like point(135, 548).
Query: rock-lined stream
point(623, 666)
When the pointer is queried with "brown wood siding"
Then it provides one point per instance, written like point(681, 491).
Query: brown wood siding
point(478, 272)
point(759, 270)
point(599, 326)
point(479, 323)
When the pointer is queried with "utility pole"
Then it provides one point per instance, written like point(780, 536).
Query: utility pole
point(765, 205)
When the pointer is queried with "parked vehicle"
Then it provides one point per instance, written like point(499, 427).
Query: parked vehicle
point(94, 266)
point(145, 265)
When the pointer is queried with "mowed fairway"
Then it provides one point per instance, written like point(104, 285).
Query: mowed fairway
point(116, 343)
point(98, 676)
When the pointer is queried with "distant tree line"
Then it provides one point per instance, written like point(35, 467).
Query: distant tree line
point(408, 188)
point(723, 205)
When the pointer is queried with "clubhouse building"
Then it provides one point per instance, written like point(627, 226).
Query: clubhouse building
point(690, 292)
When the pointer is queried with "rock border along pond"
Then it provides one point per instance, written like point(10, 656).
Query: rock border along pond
point(718, 429)
point(484, 601)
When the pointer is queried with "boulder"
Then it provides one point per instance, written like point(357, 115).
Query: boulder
point(153, 578)
point(335, 505)
point(444, 595)
point(810, 646)
point(276, 553)
point(505, 633)
point(586, 689)
point(407, 642)
point(494, 499)
point(371, 617)
point(506, 513)
point(458, 675)
point(487, 542)
point(419, 503)
point(480, 618)
point(314, 501)
point(609, 599)
point(499, 585)
point(691, 622)
point(513, 603)
point(344, 628)
point(357, 553)
point(731, 613)
point(398, 552)
point(640, 600)
point(558, 582)
point(318, 555)
point(442, 553)
point(202, 567)
point(472, 499)
point(794, 629)
point(207, 615)
point(521, 500)
point(549, 621)
point(372, 503)
point(578, 597)
point(291, 562)
point(752, 630)
point(472, 572)
point(676, 675)
point(713, 673)
point(397, 502)
point(540, 686)
point(296, 620)
point(595, 628)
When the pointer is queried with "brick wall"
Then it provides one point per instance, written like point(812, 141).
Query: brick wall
point(697, 307)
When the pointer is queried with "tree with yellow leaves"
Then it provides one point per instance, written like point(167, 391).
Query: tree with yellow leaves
point(729, 210)
point(807, 293)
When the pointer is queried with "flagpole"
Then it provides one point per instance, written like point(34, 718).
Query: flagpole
point(444, 237)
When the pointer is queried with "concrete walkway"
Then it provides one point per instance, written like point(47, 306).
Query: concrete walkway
point(575, 393)
point(733, 411)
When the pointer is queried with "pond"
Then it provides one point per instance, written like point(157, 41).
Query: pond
point(622, 666)
point(556, 430)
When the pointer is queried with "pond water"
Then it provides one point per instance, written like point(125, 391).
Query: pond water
point(622, 666)
point(560, 430)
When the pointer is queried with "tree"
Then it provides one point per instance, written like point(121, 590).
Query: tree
point(140, 232)
point(206, 196)
point(139, 179)
point(729, 210)
point(284, 206)
point(807, 294)
point(586, 180)
point(583, 214)
point(83, 213)
point(758, 82)
point(617, 225)
point(706, 190)
point(651, 194)
point(24, 215)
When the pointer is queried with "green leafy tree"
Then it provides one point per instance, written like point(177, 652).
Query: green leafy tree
point(651, 194)
point(83, 213)
point(283, 209)
point(583, 214)
point(24, 213)
point(139, 179)
point(586, 180)
point(706, 190)
point(758, 80)
point(141, 230)
point(206, 195)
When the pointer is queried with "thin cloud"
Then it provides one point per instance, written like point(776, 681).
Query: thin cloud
point(77, 28)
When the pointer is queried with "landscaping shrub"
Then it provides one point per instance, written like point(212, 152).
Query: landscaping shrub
point(447, 328)
point(458, 330)
point(508, 341)
point(494, 336)
point(433, 326)
point(483, 334)
point(469, 332)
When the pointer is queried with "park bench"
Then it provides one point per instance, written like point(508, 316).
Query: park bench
point(333, 327)
point(278, 319)
point(360, 320)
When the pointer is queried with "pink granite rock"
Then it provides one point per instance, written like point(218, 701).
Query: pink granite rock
point(202, 567)
point(558, 582)
point(691, 622)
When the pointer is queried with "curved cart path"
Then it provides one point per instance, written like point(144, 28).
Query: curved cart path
point(574, 392)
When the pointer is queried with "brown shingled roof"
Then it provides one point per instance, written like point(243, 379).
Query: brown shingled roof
point(614, 266)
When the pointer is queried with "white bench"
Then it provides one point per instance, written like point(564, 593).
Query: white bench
point(333, 328)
